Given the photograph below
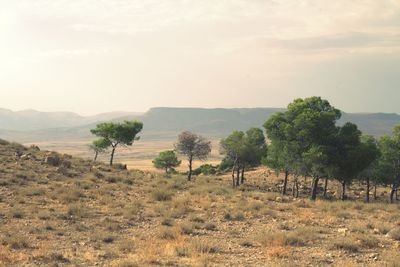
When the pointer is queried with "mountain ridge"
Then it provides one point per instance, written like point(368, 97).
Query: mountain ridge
point(167, 122)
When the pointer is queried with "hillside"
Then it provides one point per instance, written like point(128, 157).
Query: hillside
point(165, 123)
point(57, 210)
point(32, 120)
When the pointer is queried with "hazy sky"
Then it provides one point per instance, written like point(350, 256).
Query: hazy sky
point(92, 56)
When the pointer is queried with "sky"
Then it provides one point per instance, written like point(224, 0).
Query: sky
point(93, 56)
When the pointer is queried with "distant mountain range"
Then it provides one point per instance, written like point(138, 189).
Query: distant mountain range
point(162, 123)
point(31, 120)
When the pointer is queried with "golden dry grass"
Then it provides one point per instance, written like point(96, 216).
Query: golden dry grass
point(139, 156)
point(83, 216)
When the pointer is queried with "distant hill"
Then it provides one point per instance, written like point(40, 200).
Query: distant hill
point(31, 120)
point(163, 123)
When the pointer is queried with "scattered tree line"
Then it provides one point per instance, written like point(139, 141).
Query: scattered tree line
point(304, 141)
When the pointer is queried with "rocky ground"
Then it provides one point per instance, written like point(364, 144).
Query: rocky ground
point(56, 210)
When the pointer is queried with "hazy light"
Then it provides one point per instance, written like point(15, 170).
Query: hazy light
point(92, 56)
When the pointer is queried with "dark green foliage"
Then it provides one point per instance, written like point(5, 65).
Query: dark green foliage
point(389, 163)
point(99, 146)
point(301, 139)
point(206, 169)
point(243, 150)
point(116, 134)
point(166, 160)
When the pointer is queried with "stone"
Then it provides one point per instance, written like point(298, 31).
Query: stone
point(343, 231)
point(53, 160)
point(66, 164)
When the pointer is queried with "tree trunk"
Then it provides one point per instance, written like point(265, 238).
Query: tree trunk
point(397, 196)
point(96, 153)
point(392, 193)
point(112, 155)
point(238, 176)
point(305, 179)
point(325, 187)
point(343, 197)
point(233, 172)
point(285, 183)
point(166, 170)
point(375, 186)
point(295, 187)
point(233, 175)
point(394, 189)
point(190, 168)
point(242, 175)
point(368, 189)
point(314, 188)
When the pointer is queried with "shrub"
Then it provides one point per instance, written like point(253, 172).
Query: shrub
point(77, 210)
point(16, 242)
point(394, 234)
point(206, 169)
point(182, 252)
point(347, 244)
point(17, 214)
point(298, 237)
point(167, 222)
point(210, 227)
point(205, 247)
point(161, 195)
point(187, 228)
point(168, 234)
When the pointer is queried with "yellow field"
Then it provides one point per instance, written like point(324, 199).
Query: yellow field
point(139, 156)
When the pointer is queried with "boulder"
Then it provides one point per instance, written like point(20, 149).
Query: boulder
point(26, 156)
point(53, 160)
point(66, 164)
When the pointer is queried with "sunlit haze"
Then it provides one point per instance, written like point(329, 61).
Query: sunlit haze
point(91, 56)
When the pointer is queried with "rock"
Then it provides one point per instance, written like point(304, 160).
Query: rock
point(343, 231)
point(66, 164)
point(278, 199)
point(376, 231)
point(18, 154)
point(26, 156)
point(53, 160)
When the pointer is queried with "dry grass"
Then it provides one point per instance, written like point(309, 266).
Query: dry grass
point(78, 217)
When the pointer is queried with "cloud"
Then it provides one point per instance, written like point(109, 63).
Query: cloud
point(349, 40)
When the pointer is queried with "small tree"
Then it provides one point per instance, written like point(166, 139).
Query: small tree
point(193, 147)
point(166, 160)
point(369, 158)
point(118, 134)
point(347, 155)
point(99, 146)
point(243, 150)
point(390, 160)
point(233, 147)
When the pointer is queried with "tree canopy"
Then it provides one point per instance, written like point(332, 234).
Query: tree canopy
point(118, 134)
point(193, 146)
point(243, 150)
point(166, 160)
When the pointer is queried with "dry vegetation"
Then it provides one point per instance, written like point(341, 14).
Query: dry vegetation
point(76, 215)
point(140, 156)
